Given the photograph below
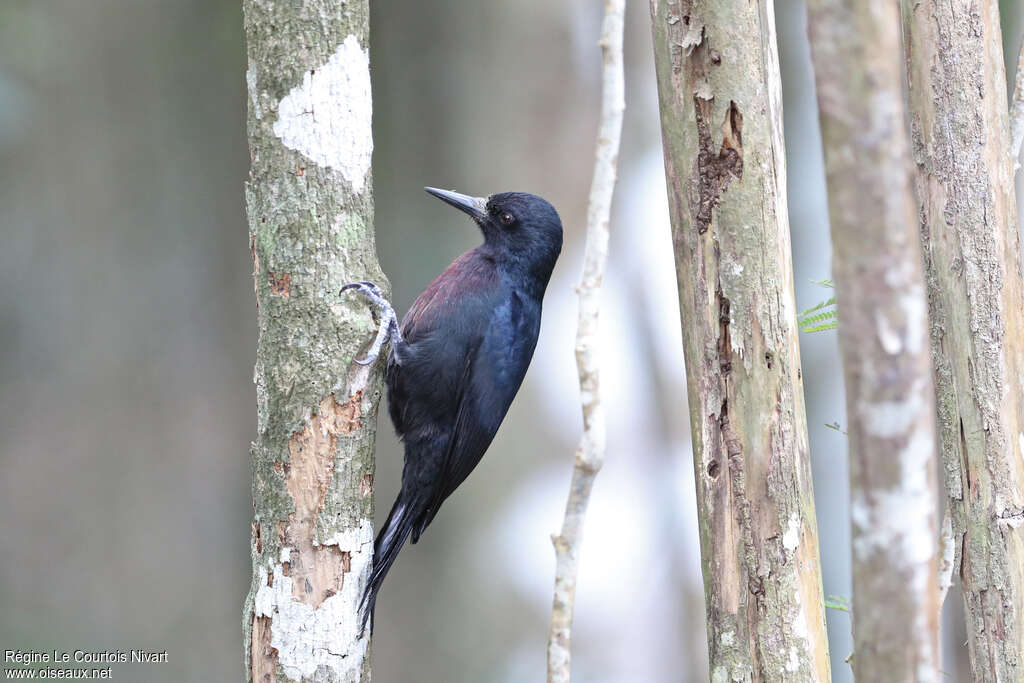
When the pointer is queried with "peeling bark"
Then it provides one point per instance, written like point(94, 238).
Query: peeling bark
point(264, 656)
point(310, 222)
point(317, 571)
point(968, 216)
point(721, 114)
point(876, 264)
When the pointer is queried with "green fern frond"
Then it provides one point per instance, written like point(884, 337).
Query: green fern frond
point(818, 307)
point(818, 318)
point(822, 316)
point(821, 328)
point(837, 602)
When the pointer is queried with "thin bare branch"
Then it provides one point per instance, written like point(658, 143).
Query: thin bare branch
point(591, 451)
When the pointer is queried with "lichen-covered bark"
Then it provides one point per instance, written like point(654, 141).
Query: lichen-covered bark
point(311, 231)
point(876, 264)
point(721, 113)
point(967, 215)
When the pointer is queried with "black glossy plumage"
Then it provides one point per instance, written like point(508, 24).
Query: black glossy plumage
point(466, 343)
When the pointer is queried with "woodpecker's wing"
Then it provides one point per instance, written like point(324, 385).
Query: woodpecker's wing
point(440, 332)
point(492, 378)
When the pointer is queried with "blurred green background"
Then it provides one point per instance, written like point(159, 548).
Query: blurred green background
point(127, 340)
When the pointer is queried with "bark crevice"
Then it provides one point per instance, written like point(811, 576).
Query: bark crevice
point(715, 170)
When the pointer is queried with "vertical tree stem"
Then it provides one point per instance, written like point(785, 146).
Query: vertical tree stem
point(881, 301)
point(310, 212)
point(971, 253)
point(721, 117)
point(591, 451)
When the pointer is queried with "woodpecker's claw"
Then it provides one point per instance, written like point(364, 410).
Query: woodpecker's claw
point(388, 330)
point(365, 285)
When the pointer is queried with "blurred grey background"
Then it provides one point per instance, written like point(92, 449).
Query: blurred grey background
point(127, 340)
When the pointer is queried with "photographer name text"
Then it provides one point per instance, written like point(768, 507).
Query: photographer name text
point(28, 657)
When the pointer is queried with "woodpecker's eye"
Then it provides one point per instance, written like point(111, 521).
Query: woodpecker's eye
point(507, 218)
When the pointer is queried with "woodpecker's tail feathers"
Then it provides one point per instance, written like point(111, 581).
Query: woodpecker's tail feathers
point(400, 523)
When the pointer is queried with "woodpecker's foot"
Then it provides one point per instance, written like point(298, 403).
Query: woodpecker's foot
point(388, 331)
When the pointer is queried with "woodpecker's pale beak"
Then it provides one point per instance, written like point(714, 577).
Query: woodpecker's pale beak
point(476, 207)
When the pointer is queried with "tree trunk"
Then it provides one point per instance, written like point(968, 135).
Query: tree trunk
point(968, 219)
point(881, 302)
point(311, 231)
point(721, 115)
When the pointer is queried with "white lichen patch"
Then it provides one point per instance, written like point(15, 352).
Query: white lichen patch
point(353, 540)
point(915, 310)
point(794, 660)
point(892, 521)
point(791, 538)
point(338, 224)
point(900, 274)
point(887, 419)
point(735, 340)
point(800, 628)
point(254, 96)
point(888, 336)
point(308, 638)
point(328, 117)
point(1011, 519)
point(909, 329)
